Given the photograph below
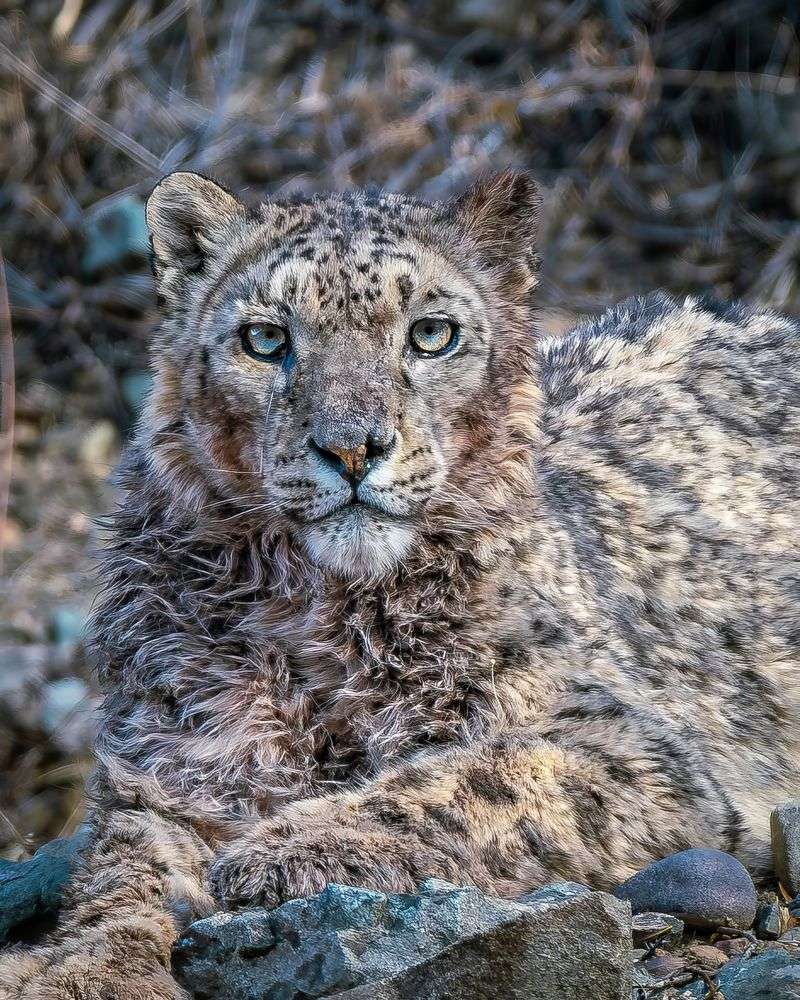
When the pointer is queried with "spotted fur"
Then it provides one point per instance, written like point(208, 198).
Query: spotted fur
point(556, 639)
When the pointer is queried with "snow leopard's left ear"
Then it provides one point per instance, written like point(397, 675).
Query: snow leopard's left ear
point(190, 218)
point(500, 215)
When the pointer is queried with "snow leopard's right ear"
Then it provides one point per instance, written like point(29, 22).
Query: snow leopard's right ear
point(500, 215)
point(189, 218)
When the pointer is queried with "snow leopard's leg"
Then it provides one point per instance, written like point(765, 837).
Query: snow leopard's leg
point(140, 880)
point(508, 815)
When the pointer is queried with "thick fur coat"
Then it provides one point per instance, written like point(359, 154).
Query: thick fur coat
point(550, 629)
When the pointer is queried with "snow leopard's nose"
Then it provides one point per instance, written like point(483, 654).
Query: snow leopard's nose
point(352, 460)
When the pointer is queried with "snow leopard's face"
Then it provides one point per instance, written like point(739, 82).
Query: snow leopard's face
point(339, 366)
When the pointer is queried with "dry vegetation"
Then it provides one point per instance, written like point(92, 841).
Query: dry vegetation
point(666, 135)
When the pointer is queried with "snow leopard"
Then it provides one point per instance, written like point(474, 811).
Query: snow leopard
point(399, 587)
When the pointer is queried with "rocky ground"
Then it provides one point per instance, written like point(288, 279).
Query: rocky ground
point(62, 457)
point(689, 927)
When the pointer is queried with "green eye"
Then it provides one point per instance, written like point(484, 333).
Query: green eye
point(433, 335)
point(264, 341)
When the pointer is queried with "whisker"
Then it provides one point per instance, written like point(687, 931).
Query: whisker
point(226, 500)
point(233, 472)
point(269, 407)
point(257, 509)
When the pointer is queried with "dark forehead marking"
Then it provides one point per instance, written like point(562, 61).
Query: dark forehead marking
point(290, 290)
point(405, 285)
point(239, 262)
point(277, 232)
point(340, 221)
point(202, 375)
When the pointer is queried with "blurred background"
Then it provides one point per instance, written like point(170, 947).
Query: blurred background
point(666, 136)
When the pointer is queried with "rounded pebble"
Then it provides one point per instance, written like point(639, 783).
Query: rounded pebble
point(707, 955)
point(732, 947)
point(664, 966)
point(701, 886)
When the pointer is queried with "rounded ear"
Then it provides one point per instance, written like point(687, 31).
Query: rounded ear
point(500, 214)
point(187, 215)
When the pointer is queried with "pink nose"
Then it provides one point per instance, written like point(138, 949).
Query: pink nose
point(353, 459)
point(352, 463)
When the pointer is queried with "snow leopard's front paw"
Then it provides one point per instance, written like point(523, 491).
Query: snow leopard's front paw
point(296, 856)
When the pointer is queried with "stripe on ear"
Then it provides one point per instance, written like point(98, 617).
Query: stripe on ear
point(500, 216)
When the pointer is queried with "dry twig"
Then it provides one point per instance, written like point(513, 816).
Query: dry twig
point(6, 405)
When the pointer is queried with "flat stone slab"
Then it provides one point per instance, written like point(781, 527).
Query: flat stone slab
point(440, 943)
point(785, 829)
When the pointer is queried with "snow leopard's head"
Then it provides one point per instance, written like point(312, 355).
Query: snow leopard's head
point(342, 367)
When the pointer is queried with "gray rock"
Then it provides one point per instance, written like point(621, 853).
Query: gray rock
point(31, 889)
point(136, 387)
point(703, 887)
point(768, 923)
point(67, 626)
point(771, 976)
point(114, 230)
point(62, 700)
point(652, 927)
point(792, 936)
point(440, 943)
point(785, 828)
point(67, 714)
point(558, 892)
point(785, 985)
point(25, 669)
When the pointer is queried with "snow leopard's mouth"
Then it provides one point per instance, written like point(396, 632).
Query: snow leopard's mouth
point(356, 508)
